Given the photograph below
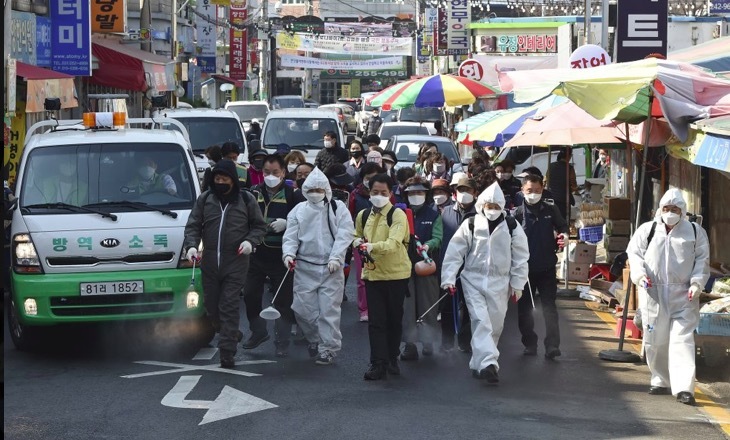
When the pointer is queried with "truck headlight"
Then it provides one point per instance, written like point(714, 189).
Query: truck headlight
point(25, 256)
point(30, 307)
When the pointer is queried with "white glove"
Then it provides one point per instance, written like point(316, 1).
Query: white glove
point(645, 282)
point(357, 242)
point(694, 291)
point(192, 254)
point(334, 266)
point(288, 260)
point(278, 225)
point(368, 247)
point(448, 286)
point(245, 248)
point(517, 294)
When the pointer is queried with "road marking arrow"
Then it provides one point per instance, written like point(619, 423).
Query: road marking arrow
point(229, 403)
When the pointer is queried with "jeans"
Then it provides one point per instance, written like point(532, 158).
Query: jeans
point(546, 283)
point(385, 307)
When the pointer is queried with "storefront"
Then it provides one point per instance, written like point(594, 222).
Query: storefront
point(334, 84)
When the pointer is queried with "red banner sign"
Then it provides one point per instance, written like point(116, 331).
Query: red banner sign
point(238, 49)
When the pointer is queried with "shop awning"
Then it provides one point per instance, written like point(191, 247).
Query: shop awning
point(45, 83)
point(125, 66)
point(710, 145)
point(228, 80)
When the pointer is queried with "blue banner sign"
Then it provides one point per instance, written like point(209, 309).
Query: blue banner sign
point(71, 37)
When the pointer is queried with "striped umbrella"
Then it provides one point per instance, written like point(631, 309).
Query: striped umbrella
point(432, 91)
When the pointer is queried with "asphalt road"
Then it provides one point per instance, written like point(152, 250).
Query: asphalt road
point(74, 387)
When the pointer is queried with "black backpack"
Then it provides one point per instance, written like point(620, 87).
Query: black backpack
point(411, 243)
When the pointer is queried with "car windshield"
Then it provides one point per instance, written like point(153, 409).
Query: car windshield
point(396, 130)
point(205, 132)
point(408, 151)
point(429, 114)
point(101, 174)
point(389, 115)
point(292, 102)
point(248, 112)
point(299, 132)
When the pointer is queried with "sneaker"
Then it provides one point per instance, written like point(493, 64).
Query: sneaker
point(427, 349)
point(410, 352)
point(325, 358)
point(552, 353)
point(255, 340)
point(227, 359)
point(313, 349)
point(490, 374)
point(375, 372)
point(363, 318)
point(393, 367)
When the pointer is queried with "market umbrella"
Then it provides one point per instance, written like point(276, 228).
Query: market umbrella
point(431, 91)
point(713, 55)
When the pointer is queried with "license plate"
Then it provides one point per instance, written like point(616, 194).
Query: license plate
point(112, 288)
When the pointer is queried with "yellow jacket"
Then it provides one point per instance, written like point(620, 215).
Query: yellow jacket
point(389, 249)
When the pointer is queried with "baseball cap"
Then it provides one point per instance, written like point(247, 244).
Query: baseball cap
point(457, 177)
point(441, 184)
point(467, 182)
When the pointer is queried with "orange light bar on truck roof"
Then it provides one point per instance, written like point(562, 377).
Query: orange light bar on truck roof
point(105, 119)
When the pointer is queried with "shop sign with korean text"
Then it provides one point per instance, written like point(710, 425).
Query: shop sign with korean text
point(11, 155)
point(642, 29)
point(358, 29)
point(320, 63)
point(442, 32)
point(108, 16)
point(338, 44)
point(71, 37)
point(588, 56)
point(518, 43)
point(23, 37)
point(720, 7)
point(333, 73)
point(459, 18)
point(238, 52)
point(43, 41)
point(206, 36)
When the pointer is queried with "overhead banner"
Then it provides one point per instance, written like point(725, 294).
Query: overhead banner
point(338, 44)
point(523, 43)
point(108, 16)
point(238, 53)
point(206, 36)
point(22, 37)
point(319, 63)
point(642, 29)
point(459, 17)
point(43, 41)
point(71, 37)
point(359, 29)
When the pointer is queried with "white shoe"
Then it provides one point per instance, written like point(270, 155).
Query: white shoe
point(364, 318)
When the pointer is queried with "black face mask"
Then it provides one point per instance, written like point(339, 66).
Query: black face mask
point(356, 154)
point(222, 188)
point(300, 183)
point(258, 163)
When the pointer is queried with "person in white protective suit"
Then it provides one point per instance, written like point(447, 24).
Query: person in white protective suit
point(495, 256)
point(669, 260)
point(318, 233)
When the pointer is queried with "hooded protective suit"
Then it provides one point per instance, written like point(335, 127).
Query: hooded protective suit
point(487, 292)
point(673, 261)
point(316, 235)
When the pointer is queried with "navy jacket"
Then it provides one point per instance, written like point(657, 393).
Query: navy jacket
point(540, 222)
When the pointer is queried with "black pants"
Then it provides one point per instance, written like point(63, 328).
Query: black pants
point(546, 283)
point(448, 327)
point(221, 297)
point(385, 318)
point(266, 263)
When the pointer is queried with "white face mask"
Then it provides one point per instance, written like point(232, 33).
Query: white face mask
point(492, 214)
point(602, 158)
point(272, 181)
point(416, 200)
point(329, 144)
point(491, 153)
point(670, 218)
point(379, 201)
point(533, 198)
point(504, 176)
point(464, 198)
point(291, 167)
point(314, 197)
point(440, 199)
point(438, 168)
point(146, 172)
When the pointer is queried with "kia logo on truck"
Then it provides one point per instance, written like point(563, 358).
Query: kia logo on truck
point(110, 242)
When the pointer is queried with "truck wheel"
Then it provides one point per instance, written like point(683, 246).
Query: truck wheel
point(24, 337)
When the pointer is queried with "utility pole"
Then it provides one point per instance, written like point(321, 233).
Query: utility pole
point(587, 23)
point(604, 25)
point(264, 60)
point(173, 50)
point(307, 87)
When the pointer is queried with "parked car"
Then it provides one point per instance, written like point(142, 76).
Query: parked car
point(524, 157)
point(301, 129)
point(406, 148)
point(248, 110)
point(345, 114)
point(287, 101)
point(425, 115)
point(354, 103)
point(311, 103)
point(390, 129)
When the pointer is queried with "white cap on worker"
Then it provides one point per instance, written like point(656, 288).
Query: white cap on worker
point(456, 177)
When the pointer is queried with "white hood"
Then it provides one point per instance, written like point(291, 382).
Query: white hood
point(671, 197)
point(493, 194)
point(317, 179)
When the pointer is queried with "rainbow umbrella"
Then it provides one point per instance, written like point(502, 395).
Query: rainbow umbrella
point(432, 91)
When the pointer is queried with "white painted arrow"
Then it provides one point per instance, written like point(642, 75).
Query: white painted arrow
point(229, 403)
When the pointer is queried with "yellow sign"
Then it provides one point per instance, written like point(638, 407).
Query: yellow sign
point(108, 17)
point(11, 155)
point(286, 41)
point(345, 91)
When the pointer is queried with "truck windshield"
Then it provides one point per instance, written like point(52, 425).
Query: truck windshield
point(248, 112)
point(298, 132)
point(98, 175)
point(205, 132)
point(425, 114)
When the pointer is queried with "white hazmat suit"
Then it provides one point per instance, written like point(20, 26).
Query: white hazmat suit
point(316, 236)
point(673, 261)
point(494, 265)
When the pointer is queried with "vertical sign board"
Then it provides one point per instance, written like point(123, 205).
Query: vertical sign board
point(442, 32)
point(71, 37)
point(11, 85)
point(43, 41)
point(459, 17)
point(108, 16)
point(642, 29)
point(238, 53)
point(205, 51)
point(22, 40)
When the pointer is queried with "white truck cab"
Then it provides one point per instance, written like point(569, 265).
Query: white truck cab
point(98, 226)
point(301, 129)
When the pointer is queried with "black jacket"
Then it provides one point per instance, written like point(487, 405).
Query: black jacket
point(331, 156)
point(540, 222)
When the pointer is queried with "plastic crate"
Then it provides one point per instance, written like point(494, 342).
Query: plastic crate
point(591, 234)
point(714, 324)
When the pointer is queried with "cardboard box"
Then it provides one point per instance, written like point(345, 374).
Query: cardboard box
point(617, 208)
point(582, 253)
point(615, 243)
point(577, 272)
point(617, 227)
